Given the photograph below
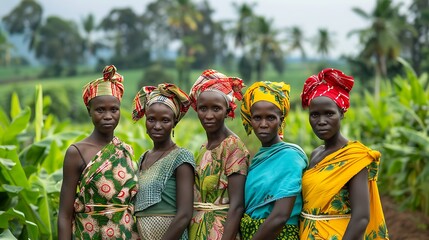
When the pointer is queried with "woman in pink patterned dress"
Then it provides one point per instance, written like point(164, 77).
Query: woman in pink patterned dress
point(222, 162)
point(99, 180)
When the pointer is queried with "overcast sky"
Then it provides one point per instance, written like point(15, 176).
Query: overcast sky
point(310, 15)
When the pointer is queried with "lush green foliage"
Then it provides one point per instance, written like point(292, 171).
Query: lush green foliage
point(398, 126)
point(30, 165)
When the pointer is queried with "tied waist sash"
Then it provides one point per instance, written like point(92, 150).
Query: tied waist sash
point(106, 208)
point(201, 206)
point(324, 217)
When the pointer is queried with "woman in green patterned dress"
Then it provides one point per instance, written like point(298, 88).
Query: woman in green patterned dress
point(163, 204)
point(222, 162)
point(99, 181)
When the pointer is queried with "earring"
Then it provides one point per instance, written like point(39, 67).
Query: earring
point(173, 132)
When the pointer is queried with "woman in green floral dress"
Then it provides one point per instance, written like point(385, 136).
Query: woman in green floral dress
point(99, 181)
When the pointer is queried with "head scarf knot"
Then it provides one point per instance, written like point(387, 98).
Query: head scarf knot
point(166, 93)
point(212, 80)
point(273, 92)
point(109, 84)
point(330, 83)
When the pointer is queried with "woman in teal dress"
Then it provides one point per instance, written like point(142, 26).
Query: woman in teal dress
point(273, 199)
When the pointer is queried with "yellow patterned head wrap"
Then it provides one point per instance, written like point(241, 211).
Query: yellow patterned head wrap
point(166, 93)
point(273, 92)
point(109, 84)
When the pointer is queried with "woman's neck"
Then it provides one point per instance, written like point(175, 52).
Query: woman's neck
point(165, 145)
point(215, 138)
point(336, 142)
point(101, 138)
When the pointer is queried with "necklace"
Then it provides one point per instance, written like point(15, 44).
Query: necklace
point(151, 159)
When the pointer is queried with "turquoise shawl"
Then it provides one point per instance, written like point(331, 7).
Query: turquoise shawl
point(274, 173)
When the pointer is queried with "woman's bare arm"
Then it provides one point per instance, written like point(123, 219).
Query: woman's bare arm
point(278, 217)
point(71, 174)
point(359, 203)
point(236, 206)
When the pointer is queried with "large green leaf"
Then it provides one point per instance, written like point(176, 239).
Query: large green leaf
point(42, 205)
point(30, 228)
point(35, 154)
point(15, 107)
point(15, 176)
point(7, 163)
point(18, 124)
point(4, 122)
point(6, 234)
point(53, 161)
point(11, 213)
point(38, 114)
point(12, 188)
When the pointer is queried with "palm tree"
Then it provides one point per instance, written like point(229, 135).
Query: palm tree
point(265, 46)
point(243, 32)
point(88, 24)
point(381, 39)
point(296, 39)
point(243, 28)
point(323, 42)
point(259, 42)
point(419, 44)
point(183, 20)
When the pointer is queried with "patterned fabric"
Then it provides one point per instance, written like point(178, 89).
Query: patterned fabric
point(325, 193)
point(275, 173)
point(212, 80)
point(107, 187)
point(152, 181)
point(109, 84)
point(330, 83)
point(273, 92)
point(211, 185)
point(249, 227)
point(166, 93)
point(147, 230)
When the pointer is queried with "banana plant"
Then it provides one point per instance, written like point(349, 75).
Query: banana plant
point(31, 153)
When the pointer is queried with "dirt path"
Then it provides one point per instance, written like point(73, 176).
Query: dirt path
point(404, 225)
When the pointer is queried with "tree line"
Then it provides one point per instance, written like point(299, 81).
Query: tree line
point(251, 41)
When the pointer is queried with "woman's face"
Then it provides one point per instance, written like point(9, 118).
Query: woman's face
point(159, 122)
point(325, 117)
point(212, 110)
point(105, 113)
point(266, 119)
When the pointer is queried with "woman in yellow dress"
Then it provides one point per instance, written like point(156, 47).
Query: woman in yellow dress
point(341, 199)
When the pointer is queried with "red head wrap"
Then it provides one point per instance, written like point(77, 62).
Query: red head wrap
point(330, 83)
